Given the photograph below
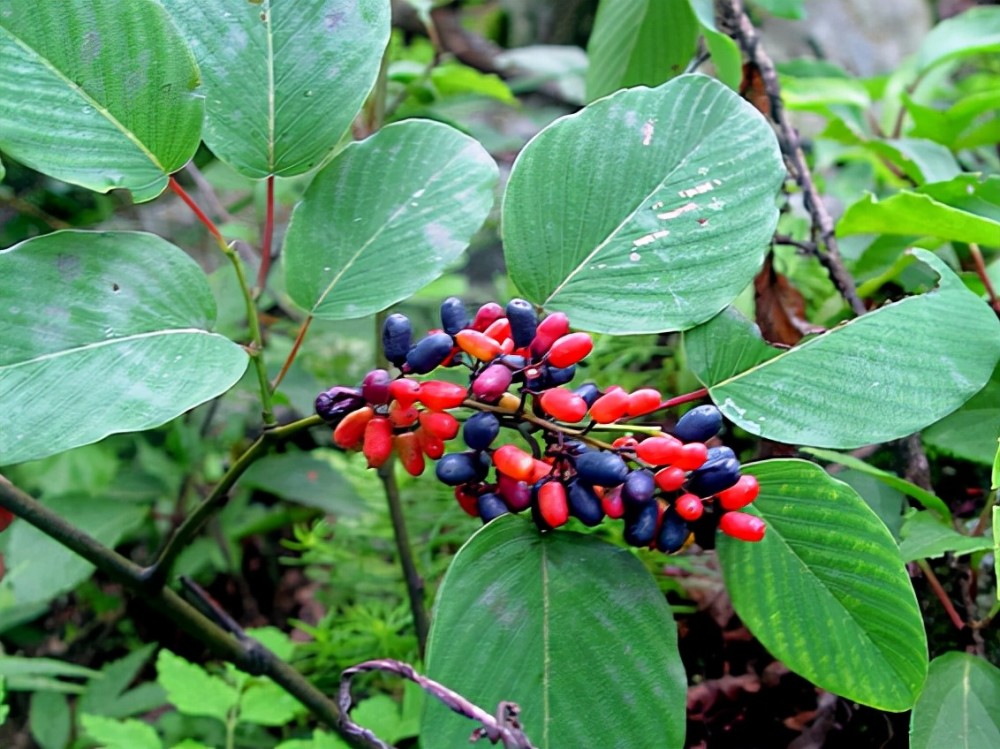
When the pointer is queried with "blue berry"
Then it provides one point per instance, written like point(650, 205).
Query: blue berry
point(480, 430)
point(584, 504)
point(490, 506)
point(601, 468)
point(454, 316)
point(640, 524)
point(589, 392)
point(455, 469)
point(673, 533)
point(639, 487)
point(429, 352)
point(699, 424)
point(396, 336)
point(713, 477)
point(523, 322)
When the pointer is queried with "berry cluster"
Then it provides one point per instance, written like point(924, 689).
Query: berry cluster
point(519, 367)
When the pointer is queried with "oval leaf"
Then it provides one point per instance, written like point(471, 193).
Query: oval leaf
point(926, 537)
point(880, 376)
point(633, 203)
point(974, 32)
point(386, 217)
point(103, 333)
point(958, 707)
point(971, 432)
point(826, 591)
point(282, 81)
point(567, 626)
point(99, 94)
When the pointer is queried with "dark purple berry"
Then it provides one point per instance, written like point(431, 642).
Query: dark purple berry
point(601, 468)
point(523, 322)
point(375, 387)
point(715, 454)
point(455, 469)
point(429, 352)
point(396, 336)
point(713, 477)
point(640, 524)
point(512, 361)
point(480, 430)
point(673, 533)
point(589, 392)
point(699, 424)
point(334, 404)
point(584, 504)
point(555, 376)
point(454, 316)
point(490, 506)
point(639, 487)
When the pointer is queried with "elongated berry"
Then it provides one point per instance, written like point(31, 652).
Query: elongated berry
point(440, 424)
point(691, 456)
point(553, 505)
point(589, 392)
point(492, 382)
point(719, 453)
point(639, 487)
point(643, 401)
point(523, 322)
point(378, 441)
point(517, 494)
point(480, 430)
point(628, 442)
point(351, 429)
point(513, 461)
point(640, 524)
point(689, 506)
point(563, 404)
point(550, 377)
point(601, 468)
point(540, 470)
point(397, 332)
point(468, 500)
point(499, 331)
point(584, 504)
point(478, 345)
point(612, 502)
point(714, 477)
point(429, 352)
point(699, 424)
point(609, 407)
point(486, 315)
point(404, 391)
point(439, 395)
point(432, 446)
point(570, 349)
point(742, 526)
point(457, 468)
point(407, 446)
point(659, 451)
point(674, 532)
point(454, 316)
point(740, 494)
point(670, 479)
point(490, 507)
point(333, 404)
point(375, 387)
point(403, 417)
point(552, 328)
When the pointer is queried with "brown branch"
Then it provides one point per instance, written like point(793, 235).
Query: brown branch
point(738, 25)
point(501, 728)
point(977, 259)
point(941, 593)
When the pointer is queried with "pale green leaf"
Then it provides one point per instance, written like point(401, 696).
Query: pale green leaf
point(192, 690)
point(124, 734)
point(958, 707)
point(49, 720)
point(971, 432)
point(264, 703)
point(304, 478)
point(926, 537)
point(974, 32)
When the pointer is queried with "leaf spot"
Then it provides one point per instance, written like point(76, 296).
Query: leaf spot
point(648, 239)
point(677, 212)
point(635, 256)
point(647, 132)
point(698, 189)
point(115, 287)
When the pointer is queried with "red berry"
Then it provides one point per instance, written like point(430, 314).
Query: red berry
point(378, 441)
point(404, 391)
point(629, 443)
point(402, 417)
point(691, 456)
point(499, 330)
point(375, 387)
point(350, 430)
point(440, 424)
point(659, 451)
point(689, 507)
point(670, 479)
point(742, 526)
point(541, 470)
point(643, 401)
point(438, 395)
point(552, 503)
point(742, 493)
point(550, 329)
point(478, 345)
point(515, 462)
point(467, 501)
point(570, 349)
point(610, 407)
point(563, 404)
point(488, 314)
point(407, 446)
point(432, 446)
point(611, 501)
point(6, 518)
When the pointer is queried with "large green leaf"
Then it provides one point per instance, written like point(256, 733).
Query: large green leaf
point(970, 432)
point(958, 707)
point(649, 210)
point(975, 32)
point(726, 55)
point(98, 93)
point(386, 217)
point(639, 42)
point(282, 81)
point(565, 625)
point(881, 376)
point(103, 333)
point(826, 591)
point(926, 537)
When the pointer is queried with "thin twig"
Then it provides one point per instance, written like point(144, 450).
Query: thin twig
point(977, 259)
point(206, 189)
point(941, 594)
point(808, 247)
point(303, 329)
point(268, 240)
point(501, 728)
point(739, 26)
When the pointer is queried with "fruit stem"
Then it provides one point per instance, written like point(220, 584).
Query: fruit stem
point(686, 398)
point(293, 353)
point(268, 239)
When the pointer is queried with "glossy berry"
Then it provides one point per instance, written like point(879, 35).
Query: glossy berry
point(589, 392)
point(555, 376)
point(401, 416)
point(439, 395)
point(478, 345)
point(432, 446)
point(601, 468)
point(499, 331)
point(742, 526)
point(333, 404)
point(674, 532)
point(467, 500)
point(411, 456)
point(571, 349)
point(486, 316)
point(492, 382)
point(584, 504)
point(625, 443)
point(699, 424)
point(643, 401)
point(351, 429)
point(375, 387)
point(440, 424)
point(405, 392)
point(689, 506)
point(517, 494)
point(714, 477)
point(490, 506)
point(515, 462)
point(377, 441)
point(480, 430)
point(740, 494)
point(564, 405)
point(552, 328)
point(691, 456)
point(670, 479)
point(659, 451)
point(640, 524)
point(457, 468)
point(553, 504)
point(397, 332)
point(639, 487)
point(610, 407)
point(454, 316)
point(612, 502)
point(523, 322)
point(719, 453)
point(429, 353)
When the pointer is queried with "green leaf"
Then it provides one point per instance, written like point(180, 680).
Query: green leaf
point(125, 734)
point(958, 707)
point(886, 502)
point(103, 333)
point(639, 42)
point(618, 214)
point(14, 665)
point(996, 545)
point(192, 690)
point(100, 94)
point(104, 695)
point(995, 475)
point(928, 499)
point(319, 740)
point(455, 79)
point(926, 537)
point(282, 81)
point(50, 720)
point(792, 9)
point(565, 625)
point(970, 432)
point(726, 55)
point(863, 382)
point(826, 591)
point(304, 478)
point(977, 31)
point(382, 716)
point(386, 217)
point(264, 703)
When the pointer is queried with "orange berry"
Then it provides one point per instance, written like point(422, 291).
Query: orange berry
point(515, 462)
point(563, 404)
point(643, 401)
point(351, 428)
point(410, 454)
point(478, 345)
